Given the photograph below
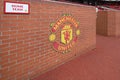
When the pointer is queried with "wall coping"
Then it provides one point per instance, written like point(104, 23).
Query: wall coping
point(109, 10)
point(69, 3)
point(65, 3)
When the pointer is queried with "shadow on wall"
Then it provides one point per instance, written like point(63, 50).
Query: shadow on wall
point(108, 23)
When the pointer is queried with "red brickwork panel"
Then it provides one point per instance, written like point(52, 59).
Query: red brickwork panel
point(111, 25)
point(101, 23)
point(108, 23)
point(25, 49)
point(117, 23)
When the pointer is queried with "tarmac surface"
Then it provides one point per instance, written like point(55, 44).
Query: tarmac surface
point(102, 63)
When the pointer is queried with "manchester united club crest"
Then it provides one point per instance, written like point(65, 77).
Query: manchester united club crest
point(64, 33)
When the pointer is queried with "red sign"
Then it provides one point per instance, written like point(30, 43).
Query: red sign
point(16, 7)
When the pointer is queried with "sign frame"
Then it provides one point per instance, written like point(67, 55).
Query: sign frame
point(5, 12)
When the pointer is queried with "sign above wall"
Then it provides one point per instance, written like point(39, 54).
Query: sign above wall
point(16, 8)
point(64, 33)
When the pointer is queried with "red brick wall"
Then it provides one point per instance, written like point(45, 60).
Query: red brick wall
point(108, 23)
point(111, 26)
point(101, 23)
point(117, 23)
point(25, 50)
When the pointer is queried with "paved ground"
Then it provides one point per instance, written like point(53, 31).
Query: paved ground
point(102, 63)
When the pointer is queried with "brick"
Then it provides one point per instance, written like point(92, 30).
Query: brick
point(11, 17)
point(4, 37)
